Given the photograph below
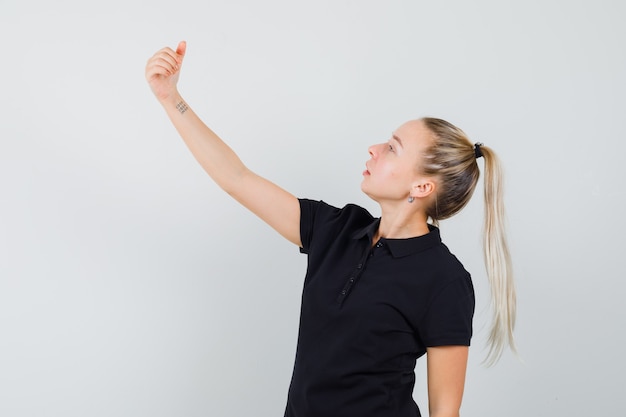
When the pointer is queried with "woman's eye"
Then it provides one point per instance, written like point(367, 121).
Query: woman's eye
point(391, 148)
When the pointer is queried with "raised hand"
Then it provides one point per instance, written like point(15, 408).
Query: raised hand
point(163, 70)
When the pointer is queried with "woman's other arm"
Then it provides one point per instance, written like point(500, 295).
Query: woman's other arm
point(275, 206)
point(446, 367)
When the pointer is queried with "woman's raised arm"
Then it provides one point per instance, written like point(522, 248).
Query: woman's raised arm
point(272, 204)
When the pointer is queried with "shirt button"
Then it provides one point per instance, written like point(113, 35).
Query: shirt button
point(359, 266)
point(343, 292)
point(351, 280)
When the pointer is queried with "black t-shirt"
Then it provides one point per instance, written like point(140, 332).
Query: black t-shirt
point(368, 312)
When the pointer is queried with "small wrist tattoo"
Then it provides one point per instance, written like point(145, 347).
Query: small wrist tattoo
point(182, 107)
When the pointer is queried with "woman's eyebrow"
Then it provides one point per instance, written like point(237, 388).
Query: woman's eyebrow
point(398, 140)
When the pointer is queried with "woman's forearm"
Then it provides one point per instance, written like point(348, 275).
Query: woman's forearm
point(213, 154)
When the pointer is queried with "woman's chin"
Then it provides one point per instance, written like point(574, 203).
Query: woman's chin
point(369, 194)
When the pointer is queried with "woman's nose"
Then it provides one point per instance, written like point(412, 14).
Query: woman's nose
point(373, 151)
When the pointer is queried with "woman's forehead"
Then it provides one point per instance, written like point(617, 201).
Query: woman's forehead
point(413, 132)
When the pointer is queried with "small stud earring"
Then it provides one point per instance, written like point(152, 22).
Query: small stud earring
point(411, 199)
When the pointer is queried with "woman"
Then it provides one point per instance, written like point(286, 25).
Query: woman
point(379, 292)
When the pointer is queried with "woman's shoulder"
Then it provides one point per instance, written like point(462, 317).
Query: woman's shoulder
point(320, 208)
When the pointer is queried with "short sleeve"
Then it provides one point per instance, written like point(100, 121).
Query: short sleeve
point(448, 320)
point(308, 210)
point(321, 223)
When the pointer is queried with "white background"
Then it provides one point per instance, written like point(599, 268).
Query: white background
point(130, 285)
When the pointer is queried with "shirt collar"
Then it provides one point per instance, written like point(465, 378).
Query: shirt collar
point(401, 247)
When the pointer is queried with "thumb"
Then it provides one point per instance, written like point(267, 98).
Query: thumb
point(181, 49)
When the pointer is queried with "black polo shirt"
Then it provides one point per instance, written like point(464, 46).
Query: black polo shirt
point(369, 312)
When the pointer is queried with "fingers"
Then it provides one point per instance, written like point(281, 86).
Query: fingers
point(162, 70)
point(166, 62)
point(176, 58)
point(166, 56)
point(161, 65)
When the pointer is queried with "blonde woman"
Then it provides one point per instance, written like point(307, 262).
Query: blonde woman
point(379, 292)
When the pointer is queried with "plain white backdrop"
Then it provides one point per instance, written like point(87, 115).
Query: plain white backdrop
point(130, 285)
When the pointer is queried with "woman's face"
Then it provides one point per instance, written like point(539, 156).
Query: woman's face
point(393, 167)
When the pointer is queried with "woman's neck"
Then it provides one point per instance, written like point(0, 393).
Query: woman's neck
point(401, 223)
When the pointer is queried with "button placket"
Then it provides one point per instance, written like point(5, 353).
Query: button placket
point(352, 279)
point(378, 245)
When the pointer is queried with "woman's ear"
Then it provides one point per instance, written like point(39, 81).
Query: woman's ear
point(423, 188)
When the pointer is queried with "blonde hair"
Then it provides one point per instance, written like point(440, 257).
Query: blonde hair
point(452, 160)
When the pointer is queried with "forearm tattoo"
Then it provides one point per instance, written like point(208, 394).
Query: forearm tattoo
point(182, 107)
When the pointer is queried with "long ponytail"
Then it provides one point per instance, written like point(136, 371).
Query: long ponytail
point(497, 261)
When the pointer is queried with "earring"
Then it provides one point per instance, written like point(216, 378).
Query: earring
point(411, 199)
